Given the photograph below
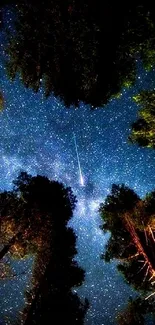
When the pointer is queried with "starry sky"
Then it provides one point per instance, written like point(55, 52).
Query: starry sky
point(36, 135)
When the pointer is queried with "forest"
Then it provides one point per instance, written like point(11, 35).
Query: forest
point(82, 54)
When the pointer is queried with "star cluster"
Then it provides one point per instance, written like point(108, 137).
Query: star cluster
point(36, 135)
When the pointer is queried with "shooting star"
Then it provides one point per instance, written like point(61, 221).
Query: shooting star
point(78, 160)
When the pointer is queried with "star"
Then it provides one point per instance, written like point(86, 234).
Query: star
point(36, 135)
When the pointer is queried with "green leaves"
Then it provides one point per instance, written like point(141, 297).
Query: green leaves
point(143, 130)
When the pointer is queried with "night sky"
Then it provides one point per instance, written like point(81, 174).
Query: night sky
point(36, 135)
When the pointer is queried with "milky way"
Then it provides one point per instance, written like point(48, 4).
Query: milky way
point(36, 135)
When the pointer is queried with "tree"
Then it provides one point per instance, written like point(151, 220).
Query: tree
point(132, 314)
point(143, 130)
point(80, 50)
point(12, 220)
point(46, 208)
point(51, 299)
point(1, 101)
point(136, 311)
point(131, 222)
point(23, 219)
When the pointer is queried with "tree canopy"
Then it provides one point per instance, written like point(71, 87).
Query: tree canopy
point(80, 50)
point(131, 222)
point(35, 215)
point(26, 212)
point(1, 101)
point(143, 130)
point(136, 311)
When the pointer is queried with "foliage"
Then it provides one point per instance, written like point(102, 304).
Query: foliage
point(53, 278)
point(80, 50)
point(35, 216)
point(27, 212)
point(132, 314)
point(131, 223)
point(1, 101)
point(143, 130)
point(120, 200)
point(135, 312)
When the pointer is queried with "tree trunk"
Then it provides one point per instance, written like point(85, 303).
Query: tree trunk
point(131, 229)
point(7, 247)
point(43, 286)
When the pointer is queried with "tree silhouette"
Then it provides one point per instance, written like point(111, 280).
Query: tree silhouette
point(80, 50)
point(51, 299)
point(1, 100)
point(132, 314)
point(25, 221)
point(143, 130)
point(12, 220)
point(131, 223)
point(136, 311)
point(41, 209)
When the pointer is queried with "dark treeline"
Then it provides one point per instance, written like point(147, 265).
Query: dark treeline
point(84, 51)
point(80, 50)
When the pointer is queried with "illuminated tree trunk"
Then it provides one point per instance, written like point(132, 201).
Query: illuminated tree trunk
point(131, 229)
point(7, 247)
point(151, 232)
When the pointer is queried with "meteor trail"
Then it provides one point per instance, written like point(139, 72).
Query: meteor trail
point(78, 160)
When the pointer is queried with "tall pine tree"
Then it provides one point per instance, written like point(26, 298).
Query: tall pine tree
point(46, 208)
